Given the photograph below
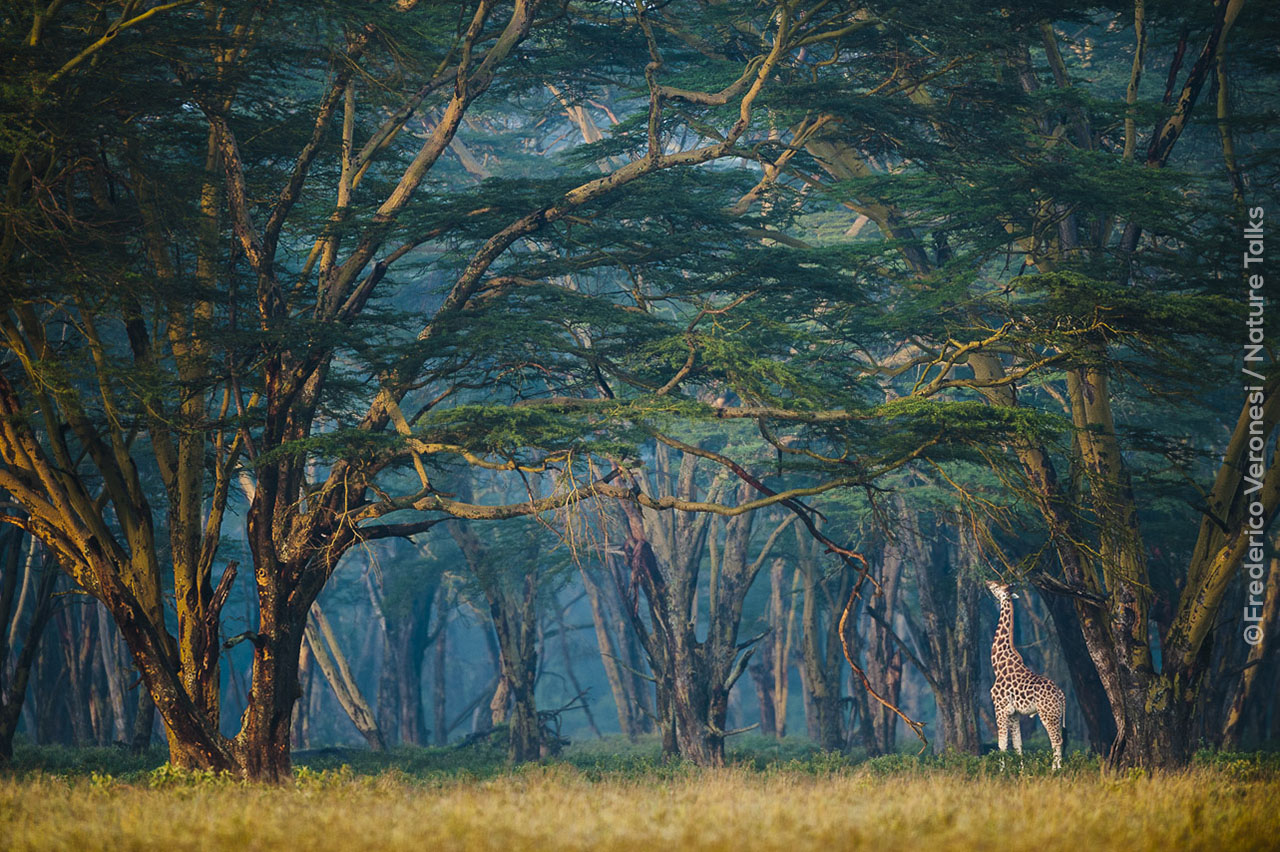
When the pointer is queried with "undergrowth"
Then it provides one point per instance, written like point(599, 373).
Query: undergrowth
point(612, 758)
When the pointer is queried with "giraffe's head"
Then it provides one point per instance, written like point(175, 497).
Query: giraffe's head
point(1000, 590)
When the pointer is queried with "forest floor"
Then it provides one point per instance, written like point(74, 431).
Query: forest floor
point(609, 794)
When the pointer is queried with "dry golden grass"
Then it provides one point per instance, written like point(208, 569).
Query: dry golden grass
point(736, 809)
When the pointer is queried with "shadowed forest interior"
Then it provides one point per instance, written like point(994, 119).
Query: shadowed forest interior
point(527, 373)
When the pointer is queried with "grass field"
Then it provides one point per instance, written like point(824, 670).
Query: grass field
point(611, 796)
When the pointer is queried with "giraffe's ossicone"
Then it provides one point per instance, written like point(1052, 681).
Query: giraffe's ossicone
point(1018, 691)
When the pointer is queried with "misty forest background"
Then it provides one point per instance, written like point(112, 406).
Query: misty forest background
point(552, 370)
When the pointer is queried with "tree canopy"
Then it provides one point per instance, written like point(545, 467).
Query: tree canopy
point(311, 267)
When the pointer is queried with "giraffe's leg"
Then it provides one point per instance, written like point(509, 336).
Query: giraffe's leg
point(1053, 727)
point(1002, 729)
point(1015, 728)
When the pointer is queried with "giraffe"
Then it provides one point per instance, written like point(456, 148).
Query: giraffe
point(1018, 691)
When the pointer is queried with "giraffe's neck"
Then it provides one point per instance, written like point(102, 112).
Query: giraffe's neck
point(1002, 647)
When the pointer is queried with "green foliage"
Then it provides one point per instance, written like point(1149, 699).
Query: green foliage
point(970, 420)
point(610, 758)
point(1241, 766)
point(69, 762)
point(170, 777)
point(1034, 762)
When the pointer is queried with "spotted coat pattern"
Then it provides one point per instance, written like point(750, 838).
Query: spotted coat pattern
point(1018, 691)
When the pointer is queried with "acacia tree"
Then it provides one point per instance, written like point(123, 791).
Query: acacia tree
point(985, 150)
point(666, 553)
point(242, 245)
point(771, 672)
point(620, 654)
point(989, 150)
point(947, 639)
point(510, 575)
point(405, 597)
point(822, 664)
point(199, 285)
point(883, 657)
point(26, 604)
point(1152, 704)
point(941, 635)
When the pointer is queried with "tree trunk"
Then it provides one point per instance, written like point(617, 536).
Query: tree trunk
point(695, 677)
point(515, 626)
point(323, 643)
point(516, 622)
point(630, 720)
point(301, 724)
point(784, 658)
point(405, 636)
point(194, 741)
point(958, 725)
point(263, 743)
point(762, 677)
point(639, 689)
point(110, 653)
point(566, 655)
point(667, 719)
point(699, 715)
point(772, 665)
point(99, 691)
point(78, 637)
point(957, 710)
point(946, 640)
point(822, 663)
point(1088, 689)
point(13, 680)
point(412, 730)
point(1157, 731)
point(526, 727)
point(439, 696)
point(883, 657)
point(511, 589)
point(144, 722)
point(1233, 727)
